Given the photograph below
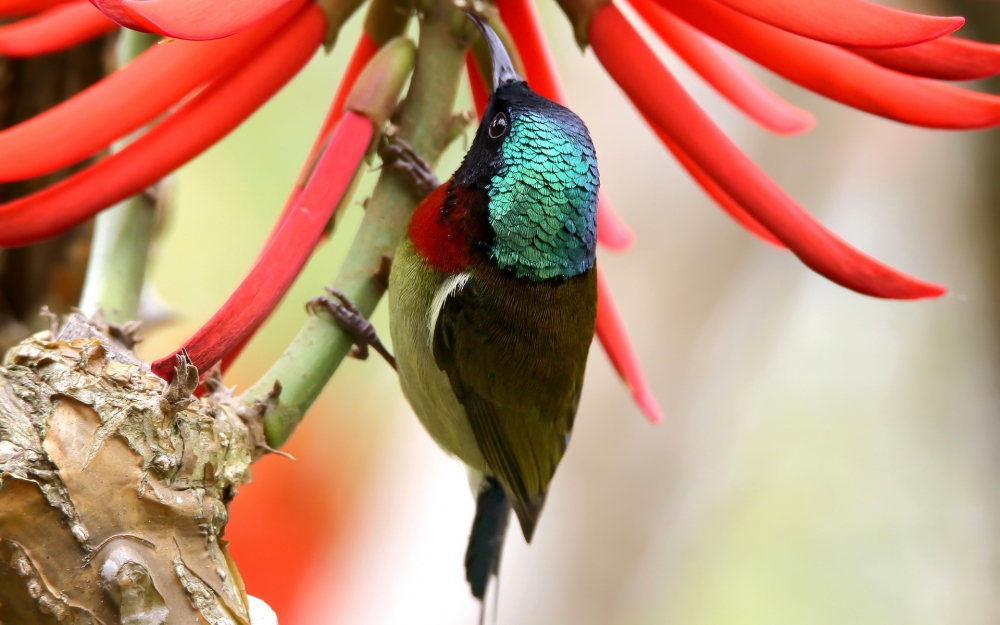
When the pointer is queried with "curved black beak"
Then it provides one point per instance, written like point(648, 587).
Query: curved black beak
point(503, 67)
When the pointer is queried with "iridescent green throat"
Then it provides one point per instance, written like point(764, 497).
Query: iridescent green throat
point(543, 198)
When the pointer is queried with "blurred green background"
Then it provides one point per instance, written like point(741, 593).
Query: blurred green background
point(827, 458)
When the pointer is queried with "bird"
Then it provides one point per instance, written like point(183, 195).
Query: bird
point(493, 303)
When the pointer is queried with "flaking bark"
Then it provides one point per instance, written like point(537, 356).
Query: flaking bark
point(114, 486)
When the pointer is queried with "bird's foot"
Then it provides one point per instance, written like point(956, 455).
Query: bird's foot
point(348, 317)
point(399, 155)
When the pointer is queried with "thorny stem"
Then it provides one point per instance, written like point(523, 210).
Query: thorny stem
point(117, 266)
point(425, 123)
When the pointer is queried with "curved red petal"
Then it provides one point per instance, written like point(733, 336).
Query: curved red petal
point(116, 12)
point(364, 51)
point(17, 8)
point(525, 26)
point(714, 191)
point(199, 20)
point(856, 23)
point(286, 253)
point(614, 339)
point(714, 63)
point(194, 127)
point(658, 96)
point(56, 29)
point(91, 120)
point(838, 74)
point(947, 58)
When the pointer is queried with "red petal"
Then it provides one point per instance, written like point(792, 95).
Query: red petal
point(17, 8)
point(838, 74)
point(947, 58)
point(658, 96)
point(286, 253)
point(525, 27)
point(856, 23)
point(195, 126)
point(199, 20)
point(615, 340)
point(364, 51)
point(56, 29)
point(715, 192)
point(91, 120)
point(714, 63)
point(116, 12)
point(736, 84)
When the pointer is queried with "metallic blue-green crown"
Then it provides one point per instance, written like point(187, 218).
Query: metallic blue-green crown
point(543, 197)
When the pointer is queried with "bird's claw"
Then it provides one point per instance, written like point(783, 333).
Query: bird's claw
point(399, 155)
point(347, 316)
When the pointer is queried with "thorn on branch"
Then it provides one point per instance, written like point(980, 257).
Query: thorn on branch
point(266, 405)
point(397, 154)
point(380, 279)
point(267, 448)
point(126, 334)
point(177, 395)
point(53, 321)
point(214, 384)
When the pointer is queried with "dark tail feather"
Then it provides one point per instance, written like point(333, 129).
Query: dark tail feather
point(482, 558)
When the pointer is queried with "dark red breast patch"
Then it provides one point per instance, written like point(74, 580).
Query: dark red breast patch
point(443, 227)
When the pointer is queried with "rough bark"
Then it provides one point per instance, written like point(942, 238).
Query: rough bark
point(115, 486)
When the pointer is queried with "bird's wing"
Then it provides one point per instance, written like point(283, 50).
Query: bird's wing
point(515, 354)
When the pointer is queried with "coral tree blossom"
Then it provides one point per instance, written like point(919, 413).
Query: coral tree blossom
point(233, 55)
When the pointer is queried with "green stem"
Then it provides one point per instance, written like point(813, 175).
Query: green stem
point(425, 123)
point(120, 247)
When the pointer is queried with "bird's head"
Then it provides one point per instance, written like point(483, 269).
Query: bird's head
point(536, 162)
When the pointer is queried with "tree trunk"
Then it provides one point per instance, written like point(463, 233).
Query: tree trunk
point(114, 486)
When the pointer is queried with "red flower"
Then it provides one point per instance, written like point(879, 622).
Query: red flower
point(58, 28)
point(871, 57)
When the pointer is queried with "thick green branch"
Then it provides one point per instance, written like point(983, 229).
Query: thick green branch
point(425, 123)
point(120, 247)
point(117, 266)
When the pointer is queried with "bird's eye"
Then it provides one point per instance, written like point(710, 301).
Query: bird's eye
point(498, 127)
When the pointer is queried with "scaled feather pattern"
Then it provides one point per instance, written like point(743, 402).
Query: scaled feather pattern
point(559, 241)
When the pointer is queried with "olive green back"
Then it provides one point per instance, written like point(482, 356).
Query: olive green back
point(515, 353)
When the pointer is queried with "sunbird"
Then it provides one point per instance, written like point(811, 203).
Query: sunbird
point(492, 305)
point(493, 300)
